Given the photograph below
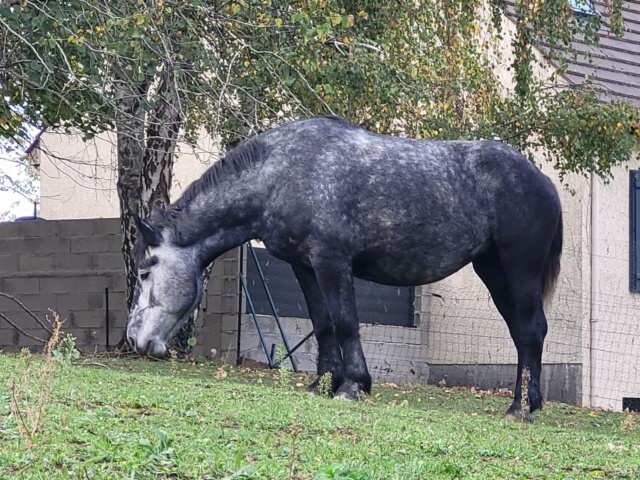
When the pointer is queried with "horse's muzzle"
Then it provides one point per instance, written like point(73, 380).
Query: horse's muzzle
point(152, 348)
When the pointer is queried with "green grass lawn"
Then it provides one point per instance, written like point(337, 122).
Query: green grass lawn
point(136, 419)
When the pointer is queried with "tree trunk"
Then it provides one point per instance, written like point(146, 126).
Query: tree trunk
point(162, 134)
point(146, 150)
point(130, 123)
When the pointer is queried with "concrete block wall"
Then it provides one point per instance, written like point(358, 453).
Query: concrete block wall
point(216, 327)
point(66, 266)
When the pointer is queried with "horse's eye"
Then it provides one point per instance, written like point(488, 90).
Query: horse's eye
point(144, 275)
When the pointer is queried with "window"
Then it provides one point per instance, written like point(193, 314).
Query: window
point(583, 7)
point(634, 230)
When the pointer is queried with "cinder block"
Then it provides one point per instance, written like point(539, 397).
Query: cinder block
point(229, 323)
point(8, 263)
point(215, 285)
point(230, 268)
point(94, 284)
point(115, 335)
point(36, 263)
point(8, 305)
point(118, 318)
point(71, 228)
point(37, 302)
point(40, 245)
point(117, 301)
point(71, 302)
point(118, 282)
point(218, 269)
point(15, 246)
point(36, 228)
point(230, 286)
point(107, 261)
point(88, 319)
point(71, 261)
point(229, 304)
point(59, 284)
point(21, 285)
point(96, 243)
point(9, 230)
point(92, 337)
point(23, 320)
point(106, 226)
point(228, 342)
point(9, 338)
point(214, 305)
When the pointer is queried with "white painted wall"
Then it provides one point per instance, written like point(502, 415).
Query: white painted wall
point(79, 179)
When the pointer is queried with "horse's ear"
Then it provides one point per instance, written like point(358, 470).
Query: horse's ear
point(148, 231)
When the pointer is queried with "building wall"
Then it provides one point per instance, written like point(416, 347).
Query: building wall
point(67, 265)
point(78, 179)
point(615, 327)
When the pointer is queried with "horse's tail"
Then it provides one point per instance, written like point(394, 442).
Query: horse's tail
point(552, 265)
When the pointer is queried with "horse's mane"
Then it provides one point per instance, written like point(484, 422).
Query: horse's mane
point(234, 162)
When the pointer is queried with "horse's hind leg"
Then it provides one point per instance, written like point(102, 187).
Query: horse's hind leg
point(516, 292)
point(329, 354)
point(335, 280)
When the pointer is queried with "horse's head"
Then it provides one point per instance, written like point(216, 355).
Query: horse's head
point(168, 288)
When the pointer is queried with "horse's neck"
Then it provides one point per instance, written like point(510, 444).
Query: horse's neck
point(222, 218)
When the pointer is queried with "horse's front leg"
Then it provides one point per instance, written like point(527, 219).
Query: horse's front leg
point(329, 353)
point(334, 276)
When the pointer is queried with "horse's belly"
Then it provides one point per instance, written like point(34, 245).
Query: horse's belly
point(411, 268)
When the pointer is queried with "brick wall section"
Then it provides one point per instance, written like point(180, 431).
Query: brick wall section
point(217, 326)
point(66, 265)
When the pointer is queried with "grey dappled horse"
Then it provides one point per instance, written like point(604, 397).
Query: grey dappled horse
point(336, 200)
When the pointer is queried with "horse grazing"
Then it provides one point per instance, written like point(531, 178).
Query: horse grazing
point(335, 201)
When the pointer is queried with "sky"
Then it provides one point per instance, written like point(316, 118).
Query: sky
point(8, 167)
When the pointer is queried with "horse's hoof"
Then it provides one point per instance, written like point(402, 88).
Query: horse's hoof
point(516, 415)
point(349, 391)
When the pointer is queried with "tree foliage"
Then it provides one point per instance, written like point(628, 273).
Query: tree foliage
point(422, 69)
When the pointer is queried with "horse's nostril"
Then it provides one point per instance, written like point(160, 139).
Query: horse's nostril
point(131, 341)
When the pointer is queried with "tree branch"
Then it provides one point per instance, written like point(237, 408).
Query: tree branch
point(29, 312)
point(2, 315)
